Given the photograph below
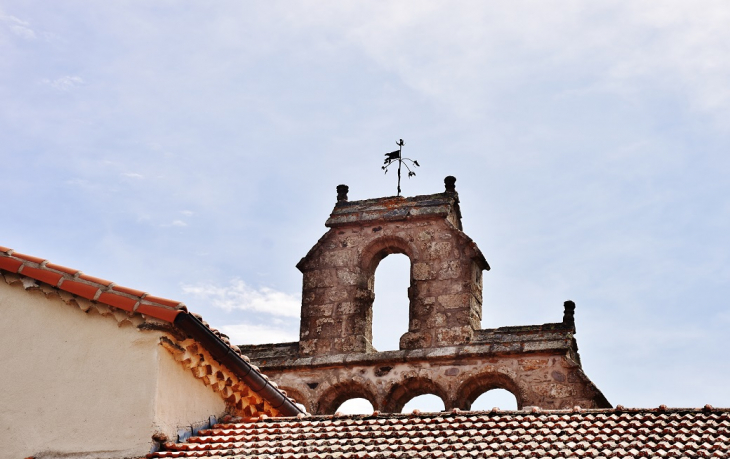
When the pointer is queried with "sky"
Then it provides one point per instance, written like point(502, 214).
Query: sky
point(192, 150)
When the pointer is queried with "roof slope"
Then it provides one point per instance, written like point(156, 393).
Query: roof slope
point(579, 433)
point(138, 302)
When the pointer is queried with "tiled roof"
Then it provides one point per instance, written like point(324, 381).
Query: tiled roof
point(600, 433)
point(101, 291)
point(89, 287)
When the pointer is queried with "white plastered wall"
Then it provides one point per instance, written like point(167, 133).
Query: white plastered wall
point(77, 384)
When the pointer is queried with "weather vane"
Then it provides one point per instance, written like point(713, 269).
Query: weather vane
point(394, 156)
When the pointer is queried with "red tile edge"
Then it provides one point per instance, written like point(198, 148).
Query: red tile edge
point(165, 301)
point(28, 257)
point(158, 312)
point(10, 264)
point(5, 249)
point(129, 291)
point(118, 301)
point(63, 269)
point(77, 288)
point(43, 275)
point(96, 280)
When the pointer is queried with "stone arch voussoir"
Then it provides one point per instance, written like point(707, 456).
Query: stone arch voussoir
point(333, 397)
point(298, 396)
point(382, 246)
point(411, 387)
point(475, 386)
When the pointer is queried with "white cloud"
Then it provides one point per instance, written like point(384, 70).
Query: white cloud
point(133, 175)
point(65, 83)
point(179, 223)
point(239, 296)
point(18, 27)
point(257, 334)
point(187, 213)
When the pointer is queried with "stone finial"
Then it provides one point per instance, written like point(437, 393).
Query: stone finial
point(569, 313)
point(450, 183)
point(342, 192)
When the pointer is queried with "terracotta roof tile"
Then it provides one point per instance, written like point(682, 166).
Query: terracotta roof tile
point(81, 289)
point(63, 269)
point(506, 434)
point(89, 287)
point(43, 275)
point(95, 280)
point(28, 257)
point(10, 264)
point(118, 301)
point(160, 312)
point(129, 291)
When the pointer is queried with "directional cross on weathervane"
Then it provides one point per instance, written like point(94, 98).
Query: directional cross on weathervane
point(394, 156)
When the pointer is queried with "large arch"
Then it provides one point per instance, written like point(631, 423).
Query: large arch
point(333, 397)
point(483, 382)
point(383, 246)
point(370, 258)
point(411, 387)
point(297, 396)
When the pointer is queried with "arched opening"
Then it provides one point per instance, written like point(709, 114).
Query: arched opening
point(481, 385)
point(409, 389)
point(356, 406)
point(500, 398)
point(391, 305)
point(426, 403)
point(332, 400)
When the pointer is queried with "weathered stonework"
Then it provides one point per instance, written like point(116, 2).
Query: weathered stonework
point(444, 351)
point(446, 274)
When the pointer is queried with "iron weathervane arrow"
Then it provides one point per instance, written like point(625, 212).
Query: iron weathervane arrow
point(396, 155)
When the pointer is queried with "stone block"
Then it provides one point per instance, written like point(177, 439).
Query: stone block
point(421, 271)
point(437, 320)
point(356, 343)
point(554, 390)
point(532, 364)
point(326, 327)
point(347, 308)
point(506, 347)
point(454, 336)
point(308, 347)
point(355, 325)
point(449, 270)
point(415, 340)
point(317, 310)
point(425, 235)
point(318, 278)
point(338, 258)
point(532, 346)
point(336, 295)
point(347, 277)
point(439, 250)
point(453, 301)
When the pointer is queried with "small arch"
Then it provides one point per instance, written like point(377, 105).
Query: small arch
point(336, 395)
point(427, 403)
point(298, 396)
point(500, 398)
point(355, 406)
point(410, 388)
point(481, 383)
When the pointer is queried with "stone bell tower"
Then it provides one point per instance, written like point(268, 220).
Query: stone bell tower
point(445, 295)
point(444, 351)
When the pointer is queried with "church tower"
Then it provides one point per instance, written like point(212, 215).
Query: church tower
point(444, 352)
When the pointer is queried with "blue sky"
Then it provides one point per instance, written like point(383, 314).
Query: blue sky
point(193, 151)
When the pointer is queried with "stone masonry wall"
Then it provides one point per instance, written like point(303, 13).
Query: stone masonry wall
point(445, 295)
